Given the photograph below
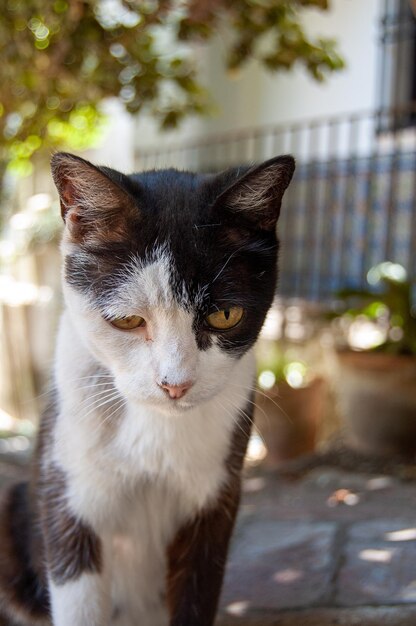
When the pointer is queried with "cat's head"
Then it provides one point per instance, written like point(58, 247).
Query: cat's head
point(168, 275)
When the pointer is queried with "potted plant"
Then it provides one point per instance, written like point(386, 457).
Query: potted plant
point(375, 382)
point(289, 403)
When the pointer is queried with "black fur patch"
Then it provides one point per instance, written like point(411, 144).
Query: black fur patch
point(197, 554)
point(23, 590)
point(72, 548)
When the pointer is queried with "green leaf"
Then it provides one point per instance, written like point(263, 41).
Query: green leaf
point(60, 59)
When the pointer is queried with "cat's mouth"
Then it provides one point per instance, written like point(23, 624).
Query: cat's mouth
point(190, 400)
point(165, 404)
point(174, 407)
point(159, 400)
point(179, 405)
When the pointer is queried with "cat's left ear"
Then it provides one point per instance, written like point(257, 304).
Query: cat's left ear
point(257, 195)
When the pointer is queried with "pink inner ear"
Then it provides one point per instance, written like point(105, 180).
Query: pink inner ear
point(75, 217)
point(67, 193)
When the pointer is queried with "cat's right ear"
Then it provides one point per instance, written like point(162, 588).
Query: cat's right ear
point(93, 207)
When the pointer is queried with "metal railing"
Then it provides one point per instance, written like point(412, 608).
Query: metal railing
point(352, 202)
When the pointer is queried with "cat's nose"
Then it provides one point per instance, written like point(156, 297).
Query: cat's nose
point(175, 391)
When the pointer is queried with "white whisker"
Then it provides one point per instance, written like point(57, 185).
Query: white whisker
point(99, 403)
point(265, 395)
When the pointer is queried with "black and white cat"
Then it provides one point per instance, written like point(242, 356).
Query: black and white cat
point(167, 279)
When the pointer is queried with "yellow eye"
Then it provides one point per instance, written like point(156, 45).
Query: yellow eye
point(128, 323)
point(226, 318)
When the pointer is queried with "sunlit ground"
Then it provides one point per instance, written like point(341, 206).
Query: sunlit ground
point(328, 538)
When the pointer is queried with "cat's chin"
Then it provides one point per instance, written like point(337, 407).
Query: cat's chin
point(176, 408)
point(167, 407)
point(172, 407)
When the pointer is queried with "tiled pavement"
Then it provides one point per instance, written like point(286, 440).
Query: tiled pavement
point(363, 616)
point(327, 547)
point(331, 547)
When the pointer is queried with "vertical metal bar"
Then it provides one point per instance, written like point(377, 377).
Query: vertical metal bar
point(307, 289)
point(236, 156)
point(144, 159)
point(277, 143)
point(301, 212)
point(251, 147)
point(200, 157)
point(210, 158)
point(259, 146)
point(382, 77)
point(186, 163)
point(194, 160)
point(398, 42)
point(327, 248)
point(287, 229)
point(325, 229)
point(347, 206)
point(227, 153)
point(166, 158)
point(412, 238)
point(368, 231)
point(392, 199)
point(213, 148)
point(397, 120)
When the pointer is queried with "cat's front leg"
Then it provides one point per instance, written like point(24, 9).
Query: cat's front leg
point(78, 581)
point(80, 602)
point(197, 559)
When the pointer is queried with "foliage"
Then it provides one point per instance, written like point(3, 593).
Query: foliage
point(252, 21)
point(387, 302)
point(37, 224)
point(278, 363)
point(61, 58)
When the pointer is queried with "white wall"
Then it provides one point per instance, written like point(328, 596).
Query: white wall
point(258, 97)
point(354, 24)
point(116, 149)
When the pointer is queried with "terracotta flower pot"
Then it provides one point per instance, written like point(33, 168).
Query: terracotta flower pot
point(288, 420)
point(376, 397)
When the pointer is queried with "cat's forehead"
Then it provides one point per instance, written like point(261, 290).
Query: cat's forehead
point(168, 257)
point(151, 283)
point(174, 252)
point(169, 194)
point(154, 268)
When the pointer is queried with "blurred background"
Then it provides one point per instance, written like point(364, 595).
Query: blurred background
point(201, 86)
point(204, 85)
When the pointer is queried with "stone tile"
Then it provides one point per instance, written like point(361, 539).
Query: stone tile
point(276, 565)
point(271, 497)
point(379, 564)
point(364, 616)
point(399, 531)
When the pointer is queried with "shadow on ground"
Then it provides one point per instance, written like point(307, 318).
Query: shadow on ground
point(327, 540)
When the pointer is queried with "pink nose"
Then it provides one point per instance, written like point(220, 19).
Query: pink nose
point(176, 391)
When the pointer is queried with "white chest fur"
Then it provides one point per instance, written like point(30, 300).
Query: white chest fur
point(109, 448)
point(139, 476)
point(107, 463)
